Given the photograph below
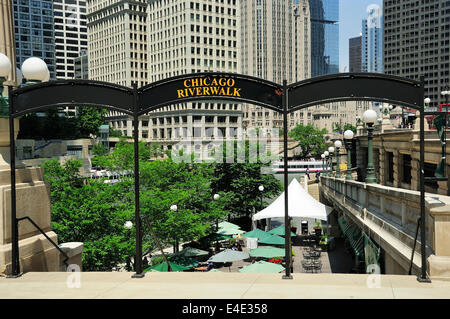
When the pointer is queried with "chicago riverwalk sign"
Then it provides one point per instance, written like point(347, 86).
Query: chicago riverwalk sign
point(233, 87)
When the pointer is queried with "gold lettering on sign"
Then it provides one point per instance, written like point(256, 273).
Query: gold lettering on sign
point(209, 86)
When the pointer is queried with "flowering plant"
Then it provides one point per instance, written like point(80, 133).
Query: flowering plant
point(276, 260)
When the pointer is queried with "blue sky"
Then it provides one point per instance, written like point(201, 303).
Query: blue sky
point(351, 13)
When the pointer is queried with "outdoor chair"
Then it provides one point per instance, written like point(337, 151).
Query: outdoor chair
point(317, 267)
point(307, 267)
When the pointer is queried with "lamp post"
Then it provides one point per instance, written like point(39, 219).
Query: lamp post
point(348, 137)
point(327, 164)
point(174, 208)
point(369, 117)
point(338, 145)
point(331, 151)
point(34, 70)
point(261, 190)
point(216, 197)
point(323, 162)
point(5, 68)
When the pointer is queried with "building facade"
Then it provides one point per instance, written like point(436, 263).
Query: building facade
point(34, 32)
point(324, 37)
point(372, 41)
point(70, 35)
point(417, 43)
point(355, 54)
point(181, 37)
point(275, 45)
point(81, 66)
point(117, 41)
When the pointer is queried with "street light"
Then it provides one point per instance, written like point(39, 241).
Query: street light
point(338, 145)
point(327, 156)
point(261, 190)
point(348, 137)
point(174, 208)
point(128, 225)
point(331, 151)
point(5, 68)
point(35, 70)
point(323, 162)
point(369, 117)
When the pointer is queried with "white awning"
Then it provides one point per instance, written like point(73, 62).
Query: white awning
point(301, 204)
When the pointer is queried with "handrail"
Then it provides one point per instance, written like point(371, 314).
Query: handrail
point(414, 247)
point(48, 238)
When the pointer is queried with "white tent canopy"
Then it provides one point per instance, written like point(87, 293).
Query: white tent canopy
point(301, 205)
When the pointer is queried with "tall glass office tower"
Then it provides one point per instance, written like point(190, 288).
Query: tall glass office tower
point(324, 37)
point(372, 41)
point(34, 32)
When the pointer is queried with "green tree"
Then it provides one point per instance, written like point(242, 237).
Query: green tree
point(99, 150)
point(89, 119)
point(348, 126)
point(311, 139)
point(93, 213)
point(238, 177)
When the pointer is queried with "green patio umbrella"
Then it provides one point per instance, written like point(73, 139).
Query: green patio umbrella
point(192, 252)
point(262, 267)
point(280, 231)
point(162, 267)
point(272, 240)
point(228, 225)
point(267, 252)
point(214, 270)
point(183, 261)
point(228, 255)
point(215, 237)
point(256, 233)
point(230, 231)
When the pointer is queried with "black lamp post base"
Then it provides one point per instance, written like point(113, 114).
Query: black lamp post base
point(424, 280)
point(287, 277)
point(141, 275)
point(15, 276)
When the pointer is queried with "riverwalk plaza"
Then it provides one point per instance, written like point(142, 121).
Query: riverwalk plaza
point(166, 184)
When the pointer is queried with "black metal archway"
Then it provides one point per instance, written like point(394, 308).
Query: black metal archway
point(212, 86)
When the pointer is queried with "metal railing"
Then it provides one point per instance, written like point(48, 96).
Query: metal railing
point(48, 238)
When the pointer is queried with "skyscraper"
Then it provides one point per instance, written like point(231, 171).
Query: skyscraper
point(70, 35)
point(324, 37)
point(275, 45)
point(34, 32)
point(355, 54)
point(372, 41)
point(417, 43)
point(117, 34)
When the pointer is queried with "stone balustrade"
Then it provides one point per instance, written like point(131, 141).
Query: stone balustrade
point(390, 215)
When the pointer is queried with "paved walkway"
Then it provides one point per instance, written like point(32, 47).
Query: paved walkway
point(201, 285)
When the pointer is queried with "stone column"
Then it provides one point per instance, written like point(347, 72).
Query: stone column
point(397, 173)
point(439, 262)
point(7, 44)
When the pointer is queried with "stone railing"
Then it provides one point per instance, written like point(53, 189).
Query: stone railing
point(392, 214)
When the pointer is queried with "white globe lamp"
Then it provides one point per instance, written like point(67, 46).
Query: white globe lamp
point(34, 69)
point(128, 225)
point(5, 66)
point(348, 135)
point(370, 117)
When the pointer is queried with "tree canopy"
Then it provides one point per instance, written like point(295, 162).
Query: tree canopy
point(311, 139)
point(53, 124)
